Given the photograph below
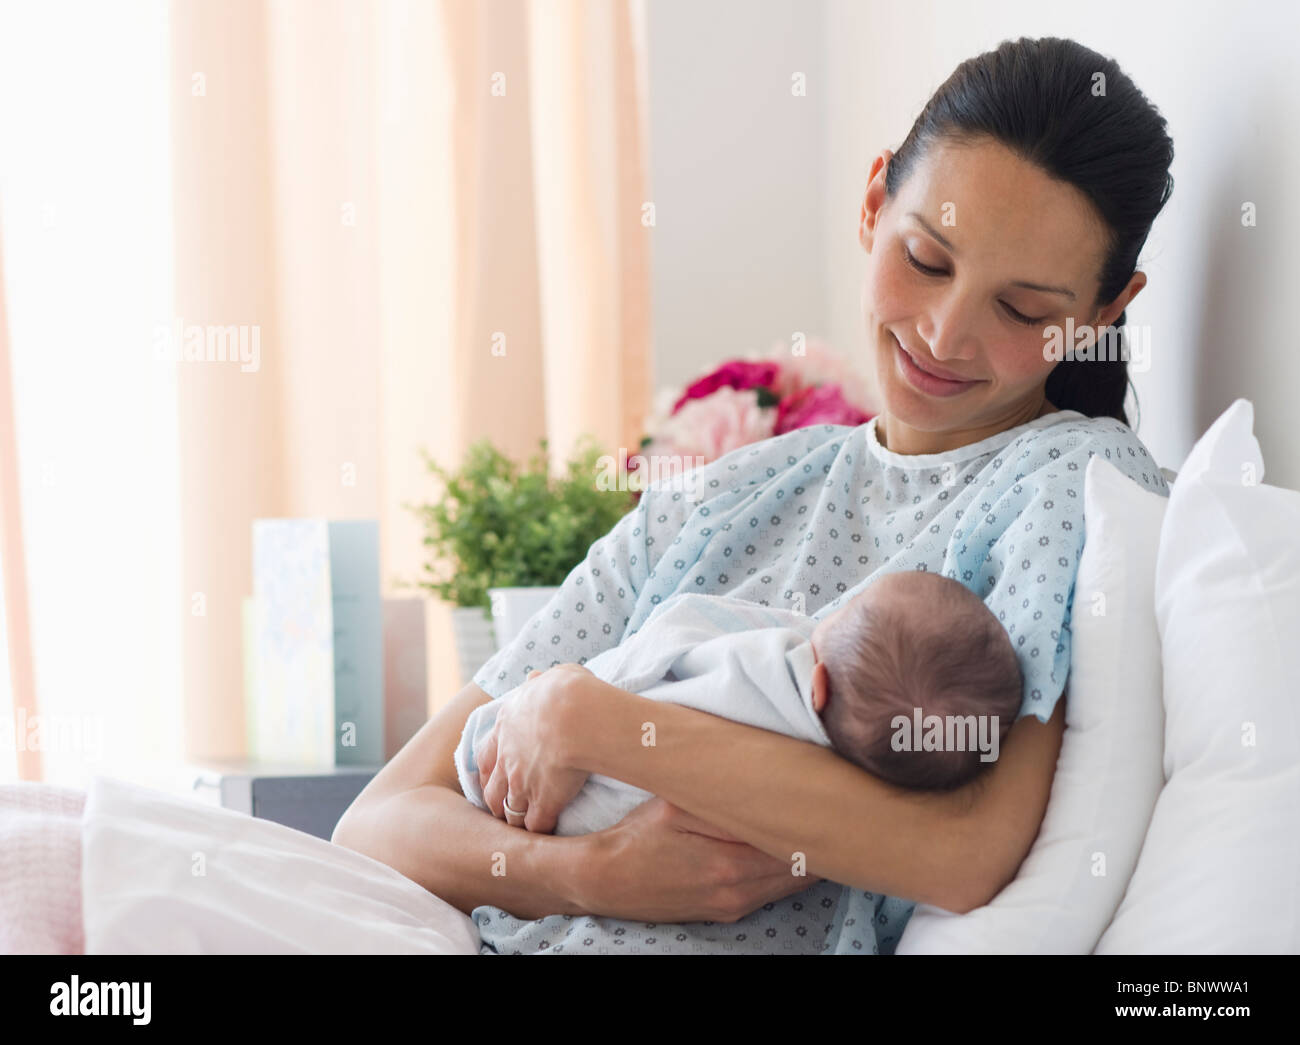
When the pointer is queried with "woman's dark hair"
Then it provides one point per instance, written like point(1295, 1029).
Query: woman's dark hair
point(1076, 115)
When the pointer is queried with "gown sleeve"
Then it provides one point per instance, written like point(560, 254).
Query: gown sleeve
point(1020, 550)
point(591, 610)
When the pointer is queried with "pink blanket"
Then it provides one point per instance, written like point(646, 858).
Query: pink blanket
point(110, 870)
point(40, 869)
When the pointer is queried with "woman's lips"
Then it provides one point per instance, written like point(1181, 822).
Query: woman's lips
point(923, 380)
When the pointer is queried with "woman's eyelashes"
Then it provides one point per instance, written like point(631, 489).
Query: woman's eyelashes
point(911, 260)
point(1017, 317)
point(1028, 321)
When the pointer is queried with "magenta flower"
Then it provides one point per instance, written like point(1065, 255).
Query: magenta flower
point(747, 400)
point(712, 426)
point(818, 405)
point(740, 374)
point(819, 364)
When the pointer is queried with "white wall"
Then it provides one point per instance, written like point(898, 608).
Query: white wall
point(758, 193)
point(736, 175)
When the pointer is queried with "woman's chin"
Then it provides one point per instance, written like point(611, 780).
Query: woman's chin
point(915, 410)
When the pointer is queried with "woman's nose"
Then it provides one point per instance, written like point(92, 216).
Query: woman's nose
point(950, 329)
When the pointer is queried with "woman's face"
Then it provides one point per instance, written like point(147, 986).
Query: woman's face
point(1011, 252)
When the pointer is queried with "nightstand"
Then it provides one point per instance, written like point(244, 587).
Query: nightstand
point(306, 799)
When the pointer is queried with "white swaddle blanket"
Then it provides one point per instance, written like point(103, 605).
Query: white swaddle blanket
point(740, 660)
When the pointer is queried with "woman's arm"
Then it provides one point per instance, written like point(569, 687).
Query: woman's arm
point(657, 864)
point(955, 850)
point(413, 817)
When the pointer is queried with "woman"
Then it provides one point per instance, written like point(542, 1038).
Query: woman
point(1017, 204)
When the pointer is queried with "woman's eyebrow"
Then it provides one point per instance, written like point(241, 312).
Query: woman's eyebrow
point(1015, 283)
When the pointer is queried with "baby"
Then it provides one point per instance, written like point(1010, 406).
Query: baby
point(913, 679)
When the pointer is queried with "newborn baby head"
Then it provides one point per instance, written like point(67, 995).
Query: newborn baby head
point(915, 680)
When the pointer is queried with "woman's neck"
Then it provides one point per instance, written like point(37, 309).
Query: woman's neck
point(900, 438)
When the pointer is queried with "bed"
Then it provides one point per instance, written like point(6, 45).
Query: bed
point(1178, 782)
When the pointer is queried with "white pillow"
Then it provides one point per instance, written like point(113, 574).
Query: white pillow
point(1220, 869)
point(1109, 771)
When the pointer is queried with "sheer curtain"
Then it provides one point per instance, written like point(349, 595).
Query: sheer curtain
point(17, 686)
point(91, 547)
point(426, 215)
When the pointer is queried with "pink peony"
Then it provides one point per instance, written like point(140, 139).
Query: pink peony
point(711, 426)
point(821, 405)
point(719, 411)
point(820, 365)
point(735, 373)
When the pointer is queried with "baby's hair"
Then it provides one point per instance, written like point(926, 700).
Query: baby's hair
point(956, 659)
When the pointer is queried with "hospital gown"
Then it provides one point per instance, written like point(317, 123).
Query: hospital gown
point(805, 520)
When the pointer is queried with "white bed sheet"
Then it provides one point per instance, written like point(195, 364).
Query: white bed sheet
point(164, 875)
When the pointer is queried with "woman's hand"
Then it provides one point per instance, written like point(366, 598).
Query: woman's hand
point(661, 864)
point(522, 759)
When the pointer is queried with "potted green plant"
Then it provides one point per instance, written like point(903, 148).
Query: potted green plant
point(502, 537)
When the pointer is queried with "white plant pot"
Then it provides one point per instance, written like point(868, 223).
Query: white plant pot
point(475, 640)
point(512, 608)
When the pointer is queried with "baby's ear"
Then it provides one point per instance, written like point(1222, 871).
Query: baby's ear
point(821, 687)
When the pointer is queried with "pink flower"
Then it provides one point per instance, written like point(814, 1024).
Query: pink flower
point(719, 411)
point(820, 365)
point(822, 405)
point(711, 426)
point(735, 373)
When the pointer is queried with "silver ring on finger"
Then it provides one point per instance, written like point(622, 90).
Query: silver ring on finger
point(510, 810)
